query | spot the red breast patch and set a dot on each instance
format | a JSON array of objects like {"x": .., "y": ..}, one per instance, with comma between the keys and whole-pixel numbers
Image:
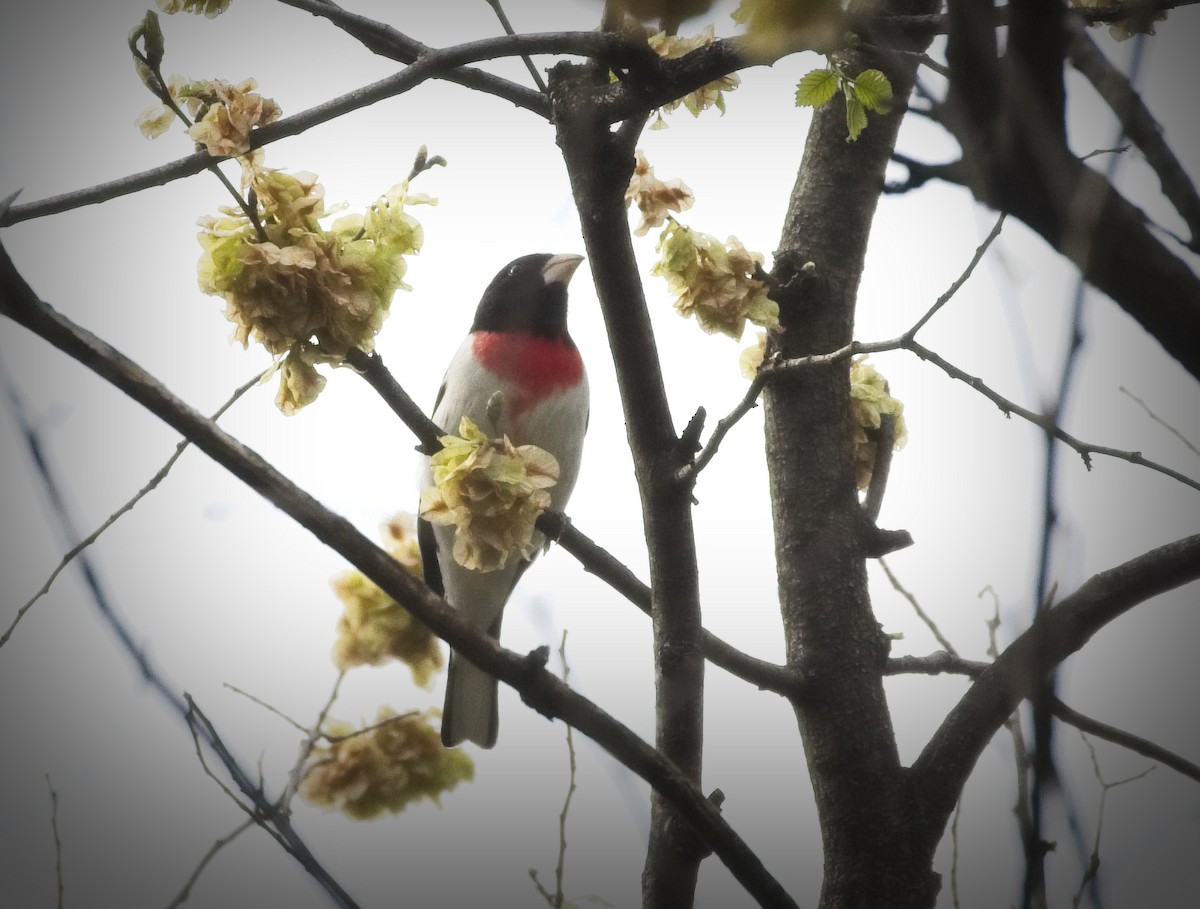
[{"x": 538, "y": 366}]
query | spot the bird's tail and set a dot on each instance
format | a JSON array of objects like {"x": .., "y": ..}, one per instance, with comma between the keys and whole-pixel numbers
[{"x": 470, "y": 712}]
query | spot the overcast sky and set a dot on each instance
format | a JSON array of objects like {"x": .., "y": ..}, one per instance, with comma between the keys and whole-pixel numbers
[{"x": 219, "y": 587}]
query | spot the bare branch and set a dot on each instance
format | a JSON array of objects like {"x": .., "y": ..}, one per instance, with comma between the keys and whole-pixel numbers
[
  {"x": 1093, "y": 867},
  {"x": 116, "y": 515},
  {"x": 939, "y": 663},
  {"x": 1084, "y": 449},
  {"x": 961, "y": 279},
  {"x": 395, "y": 45},
  {"x": 273, "y": 818},
  {"x": 270, "y": 708},
  {"x": 1137, "y": 124},
  {"x": 537, "y": 77},
  {"x": 432, "y": 65},
  {"x": 58, "y": 874},
  {"x": 939, "y": 772},
  {"x": 220, "y": 843},
  {"x": 921, "y": 613},
  {"x": 1160, "y": 421},
  {"x": 1134, "y": 743}
]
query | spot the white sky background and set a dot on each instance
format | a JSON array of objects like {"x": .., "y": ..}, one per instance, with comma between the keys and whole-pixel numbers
[{"x": 220, "y": 587}]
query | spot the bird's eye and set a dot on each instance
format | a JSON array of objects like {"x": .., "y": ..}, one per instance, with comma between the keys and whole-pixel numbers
[{"x": 512, "y": 271}]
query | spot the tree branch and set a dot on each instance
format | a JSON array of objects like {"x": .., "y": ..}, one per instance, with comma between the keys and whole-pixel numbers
[
  {"x": 434, "y": 64},
  {"x": 1138, "y": 125},
  {"x": 1134, "y": 743},
  {"x": 539, "y": 688},
  {"x": 599, "y": 165},
  {"x": 386, "y": 41},
  {"x": 939, "y": 773}
]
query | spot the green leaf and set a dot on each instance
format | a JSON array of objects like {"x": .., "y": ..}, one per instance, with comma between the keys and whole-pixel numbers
[
  {"x": 873, "y": 90},
  {"x": 856, "y": 117},
  {"x": 816, "y": 88}
]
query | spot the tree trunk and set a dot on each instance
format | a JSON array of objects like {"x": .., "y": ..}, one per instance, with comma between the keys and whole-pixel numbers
[{"x": 831, "y": 634}]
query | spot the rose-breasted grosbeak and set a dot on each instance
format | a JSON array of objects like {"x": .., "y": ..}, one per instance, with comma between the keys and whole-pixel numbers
[{"x": 518, "y": 346}]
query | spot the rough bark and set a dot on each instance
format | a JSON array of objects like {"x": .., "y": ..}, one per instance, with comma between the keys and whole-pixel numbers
[{"x": 831, "y": 634}]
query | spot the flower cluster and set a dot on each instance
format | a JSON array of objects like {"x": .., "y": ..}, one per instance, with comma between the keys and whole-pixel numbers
[
  {"x": 714, "y": 281},
  {"x": 751, "y": 359},
  {"x": 225, "y": 114},
  {"x": 709, "y": 95},
  {"x": 384, "y": 767},
  {"x": 307, "y": 293},
  {"x": 869, "y": 401},
  {"x": 373, "y": 627},
  {"x": 492, "y": 493},
  {"x": 209, "y": 8},
  {"x": 654, "y": 197}
]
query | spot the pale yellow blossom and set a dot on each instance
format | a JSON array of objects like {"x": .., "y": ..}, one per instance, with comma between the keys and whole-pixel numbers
[
  {"x": 385, "y": 767},
  {"x": 374, "y": 628},
  {"x": 301, "y": 286},
  {"x": 492, "y": 493},
  {"x": 751, "y": 358},
  {"x": 870, "y": 399},
  {"x": 155, "y": 120},
  {"x": 708, "y": 95},
  {"x": 714, "y": 281}
]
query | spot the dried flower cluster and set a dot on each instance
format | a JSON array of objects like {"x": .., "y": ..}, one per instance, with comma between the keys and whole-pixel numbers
[
  {"x": 714, "y": 281},
  {"x": 306, "y": 293},
  {"x": 492, "y": 493},
  {"x": 209, "y": 8},
  {"x": 385, "y": 767},
  {"x": 225, "y": 114},
  {"x": 654, "y": 197},
  {"x": 709, "y": 95},
  {"x": 373, "y": 627},
  {"x": 869, "y": 400}
]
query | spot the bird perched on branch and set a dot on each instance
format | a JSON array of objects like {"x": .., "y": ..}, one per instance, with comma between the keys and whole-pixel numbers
[{"x": 517, "y": 374}]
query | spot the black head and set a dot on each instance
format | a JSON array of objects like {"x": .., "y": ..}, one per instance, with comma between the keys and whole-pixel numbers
[{"x": 529, "y": 295}]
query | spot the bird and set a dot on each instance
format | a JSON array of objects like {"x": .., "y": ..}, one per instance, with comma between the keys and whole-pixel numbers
[{"x": 518, "y": 345}]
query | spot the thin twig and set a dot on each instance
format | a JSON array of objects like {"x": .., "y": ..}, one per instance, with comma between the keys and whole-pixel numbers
[
  {"x": 306, "y": 747},
  {"x": 1093, "y": 867},
  {"x": 367, "y": 730},
  {"x": 270, "y": 707},
  {"x": 58, "y": 874},
  {"x": 386, "y": 41},
  {"x": 116, "y": 515},
  {"x": 921, "y": 613},
  {"x": 271, "y": 817},
  {"x": 562, "y": 817},
  {"x": 1084, "y": 449},
  {"x": 1157, "y": 419},
  {"x": 220, "y": 843},
  {"x": 508, "y": 30},
  {"x": 961, "y": 279},
  {"x": 688, "y": 472},
  {"x": 1134, "y": 743}
]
